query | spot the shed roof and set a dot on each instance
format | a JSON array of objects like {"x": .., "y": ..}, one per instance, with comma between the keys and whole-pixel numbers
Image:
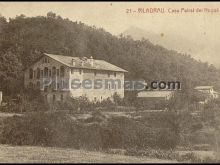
[
  {"x": 155, "y": 94},
  {"x": 203, "y": 87}
]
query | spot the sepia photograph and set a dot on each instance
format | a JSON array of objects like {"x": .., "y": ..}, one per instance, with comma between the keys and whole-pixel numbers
[{"x": 109, "y": 82}]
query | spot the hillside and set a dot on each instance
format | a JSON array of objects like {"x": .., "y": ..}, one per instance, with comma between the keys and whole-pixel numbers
[
  {"x": 196, "y": 46},
  {"x": 169, "y": 40},
  {"x": 24, "y": 38}
]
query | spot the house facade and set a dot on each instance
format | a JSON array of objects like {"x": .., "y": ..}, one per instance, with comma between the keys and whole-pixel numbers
[
  {"x": 155, "y": 99},
  {"x": 60, "y": 76},
  {"x": 208, "y": 91}
]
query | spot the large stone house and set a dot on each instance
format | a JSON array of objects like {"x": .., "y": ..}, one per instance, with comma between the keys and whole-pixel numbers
[{"x": 60, "y": 76}]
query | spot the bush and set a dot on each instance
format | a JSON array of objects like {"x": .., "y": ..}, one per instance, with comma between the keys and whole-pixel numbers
[
  {"x": 97, "y": 116},
  {"x": 34, "y": 129},
  {"x": 189, "y": 157},
  {"x": 108, "y": 104},
  {"x": 167, "y": 139},
  {"x": 152, "y": 153},
  {"x": 29, "y": 100},
  {"x": 117, "y": 99},
  {"x": 79, "y": 104},
  {"x": 95, "y": 132}
]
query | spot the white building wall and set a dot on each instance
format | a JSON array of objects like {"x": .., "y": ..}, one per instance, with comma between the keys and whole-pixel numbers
[{"x": 90, "y": 91}]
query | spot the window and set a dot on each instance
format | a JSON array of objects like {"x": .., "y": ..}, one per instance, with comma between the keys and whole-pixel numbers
[
  {"x": 72, "y": 70},
  {"x": 31, "y": 73},
  {"x": 115, "y": 74},
  {"x": 50, "y": 86},
  {"x": 31, "y": 85},
  {"x": 45, "y": 60},
  {"x": 58, "y": 72},
  {"x": 45, "y": 72},
  {"x": 38, "y": 84},
  {"x": 34, "y": 74},
  {"x": 95, "y": 73},
  {"x": 64, "y": 84},
  {"x": 61, "y": 97},
  {"x": 62, "y": 71},
  {"x": 54, "y": 85},
  {"x": 54, "y": 71},
  {"x": 46, "y": 89},
  {"x": 80, "y": 71},
  {"x": 54, "y": 97},
  {"x": 38, "y": 73},
  {"x": 41, "y": 73},
  {"x": 49, "y": 72},
  {"x": 45, "y": 97},
  {"x": 108, "y": 74}
]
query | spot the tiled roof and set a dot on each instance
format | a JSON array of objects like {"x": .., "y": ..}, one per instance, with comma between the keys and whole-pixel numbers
[
  {"x": 203, "y": 87},
  {"x": 154, "y": 94},
  {"x": 76, "y": 62}
]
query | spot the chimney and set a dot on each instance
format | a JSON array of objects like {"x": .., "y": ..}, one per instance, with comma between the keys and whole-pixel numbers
[
  {"x": 91, "y": 60},
  {"x": 84, "y": 58},
  {"x": 73, "y": 62},
  {"x": 0, "y": 97}
]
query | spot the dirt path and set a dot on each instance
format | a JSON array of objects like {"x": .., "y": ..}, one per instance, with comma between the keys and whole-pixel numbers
[{"x": 29, "y": 154}]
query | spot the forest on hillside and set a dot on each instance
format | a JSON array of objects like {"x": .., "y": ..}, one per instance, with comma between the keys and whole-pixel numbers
[{"x": 23, "y": 39}]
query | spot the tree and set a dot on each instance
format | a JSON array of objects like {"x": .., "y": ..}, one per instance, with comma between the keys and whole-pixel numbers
[
  {"x": 51, "y": 15},
  {"x": 3, "y": 22},
  {"x": 141, "y": 58}
]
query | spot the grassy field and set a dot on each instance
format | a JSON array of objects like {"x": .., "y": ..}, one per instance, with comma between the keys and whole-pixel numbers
[
  {"x": 33, "y": 154},
  {"x": 29, "y": 154}
]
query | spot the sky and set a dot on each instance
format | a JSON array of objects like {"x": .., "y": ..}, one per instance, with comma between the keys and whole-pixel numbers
[{"x": 201, "y": 28}]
